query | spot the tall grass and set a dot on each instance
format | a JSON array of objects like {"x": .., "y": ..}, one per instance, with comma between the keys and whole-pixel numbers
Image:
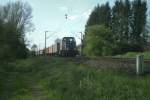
[
  {"x": 12, "y": 83},
  {"x": 64, "y": 79}
]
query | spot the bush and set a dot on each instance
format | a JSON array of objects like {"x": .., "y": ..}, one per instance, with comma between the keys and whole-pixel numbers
[{"x": 98, "y": 41}]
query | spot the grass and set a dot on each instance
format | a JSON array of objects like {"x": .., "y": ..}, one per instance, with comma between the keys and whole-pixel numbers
[
  {"x": 12, "y": 84},
  {"x": 134, "y": 54},
  {"x": 63, "y": 79}
]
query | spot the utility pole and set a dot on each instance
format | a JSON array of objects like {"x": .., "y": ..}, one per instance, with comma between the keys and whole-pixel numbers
[
  {"x": 40, "y": 50},
  {"x": 81, "y": 43},
  {"x": 45, "y": 42}
]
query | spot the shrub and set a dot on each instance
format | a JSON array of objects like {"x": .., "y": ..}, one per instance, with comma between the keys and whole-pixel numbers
[{"x": 98, "y": 41}]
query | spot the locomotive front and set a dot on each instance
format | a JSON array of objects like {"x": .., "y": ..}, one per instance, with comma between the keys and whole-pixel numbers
[{"x": 68, "y": 46}]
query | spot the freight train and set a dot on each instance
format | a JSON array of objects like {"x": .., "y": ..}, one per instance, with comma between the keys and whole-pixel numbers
[{"x": 63, "y": 47}]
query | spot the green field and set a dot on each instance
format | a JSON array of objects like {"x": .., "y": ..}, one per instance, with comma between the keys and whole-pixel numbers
[
  {"x": 134, "y": 54},
  {"x": 54, "y": 78}
]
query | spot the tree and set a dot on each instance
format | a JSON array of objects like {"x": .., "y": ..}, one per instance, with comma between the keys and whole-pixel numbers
[
  {"x": 101, "y": 15},
  {"x": 94, "y": 18},
  {"x": 98, "y": 41},
  {"x": 16, "y": 21},
  {"x": 128, "y": 22},
  {"x": 139, "y": 22},
  {"x": 121, "y": 19},
  {"x": 118, "y": 21},
  {"x": 105, "y": 15},
  {"x": 34, "y": 50}
]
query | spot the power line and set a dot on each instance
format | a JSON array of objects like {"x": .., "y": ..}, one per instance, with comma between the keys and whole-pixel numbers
[
  {"x": 60, "y": 26},
  {"x": 79, "y": 14}
]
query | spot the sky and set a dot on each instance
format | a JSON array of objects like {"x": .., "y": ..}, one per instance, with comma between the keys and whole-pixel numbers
[{"x": 49, "y": 15}]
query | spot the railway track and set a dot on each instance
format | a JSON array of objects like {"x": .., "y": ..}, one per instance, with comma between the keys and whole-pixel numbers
[
  {"x": 123, "y": 64},
  {"x": 82, "y": 59}
]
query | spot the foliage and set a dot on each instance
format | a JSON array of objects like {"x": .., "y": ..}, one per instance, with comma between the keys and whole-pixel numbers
[
  {"x": 61, "y": 80},
  {"x": 101, "y": 15},
  {"x": 128, "y": 22},
  {"x": 13, "y": 83},
  {"x": 134, "y": 54},
  {"x": 15, "y": 21},
  {"x": 69, "y": 81},
  {"x": 100, "y": 41}
]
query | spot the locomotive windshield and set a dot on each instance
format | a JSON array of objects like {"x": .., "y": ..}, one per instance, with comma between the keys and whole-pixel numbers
[
  {"x": 69, "y": 43},
  {"x": 70, "y": 39}
]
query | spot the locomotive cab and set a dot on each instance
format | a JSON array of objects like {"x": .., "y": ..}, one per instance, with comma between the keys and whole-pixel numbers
[
  {"x": 68, "y": 46},
  {"x": 69, "y": 43}
]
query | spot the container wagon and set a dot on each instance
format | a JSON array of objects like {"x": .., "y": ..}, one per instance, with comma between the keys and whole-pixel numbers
[{"x": 63, "y": 47}]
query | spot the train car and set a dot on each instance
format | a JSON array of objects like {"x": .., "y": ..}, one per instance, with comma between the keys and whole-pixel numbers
[
  {"x": 63, "y": 47},
  {"x": 50, "y": 50},
  {"x": 40, "y": 52}
]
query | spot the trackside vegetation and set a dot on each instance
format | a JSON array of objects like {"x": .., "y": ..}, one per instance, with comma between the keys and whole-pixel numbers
[
  {"x": 59, "y": 79},
  {"x": 125, "y": 24},
  {"x": 13, "y": 83},
  {"x": 134, "y": 54},
  {"x": 15, "y": 21},
  {"x": 100, "y": 41},
  {"x": 121, "y": 29}
]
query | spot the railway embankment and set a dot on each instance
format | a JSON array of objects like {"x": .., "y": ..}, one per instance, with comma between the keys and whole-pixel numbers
[{"x": 120, "y": 64}]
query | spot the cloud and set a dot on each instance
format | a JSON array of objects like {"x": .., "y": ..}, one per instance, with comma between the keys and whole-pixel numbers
[
  {"x": 84, "y": 14},
  {"x": 87, "y": 13},
  {"x": 63, "y": 8},
  {"x": 73, "y": 17}
]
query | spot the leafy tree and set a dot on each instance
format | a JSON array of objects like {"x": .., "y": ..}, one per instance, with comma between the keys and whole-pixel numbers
[
  {"x": 105, "y": 15},
  {"x": 121, "y": 18},
  {"x": 118, "y": 21},
  {"x": 94, "y": 18},
  {"x": 15, "y": 22},
  {"x": 139, "y": 18},
  {"x": 127, "y": 20},
  {"x": 101, "y": 15},
  {"x": 98, "y": 41}
]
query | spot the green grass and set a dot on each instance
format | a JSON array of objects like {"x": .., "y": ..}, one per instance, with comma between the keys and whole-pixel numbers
[
  {"x": 62, "y": 79},
  {"x": 134, "y": 54},
  {"x": 12, "y": 83},
  {"x": 65, "y": 80}
]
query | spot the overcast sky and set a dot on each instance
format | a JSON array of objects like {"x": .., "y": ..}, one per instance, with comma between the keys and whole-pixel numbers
[{"x": 49, "y": 15}]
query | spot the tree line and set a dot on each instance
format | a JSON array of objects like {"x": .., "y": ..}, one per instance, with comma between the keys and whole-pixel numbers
[
  {"x": 15, "y": 21},
  {"x": 117, "y": 29}
]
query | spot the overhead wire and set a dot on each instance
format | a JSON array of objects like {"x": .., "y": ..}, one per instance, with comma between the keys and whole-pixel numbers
[
  {"x": 78, "y": 21},
  {"x": 66, "y": 22}
]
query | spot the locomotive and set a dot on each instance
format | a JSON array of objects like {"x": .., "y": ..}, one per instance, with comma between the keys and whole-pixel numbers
[{"x": 63, "y": 47}]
